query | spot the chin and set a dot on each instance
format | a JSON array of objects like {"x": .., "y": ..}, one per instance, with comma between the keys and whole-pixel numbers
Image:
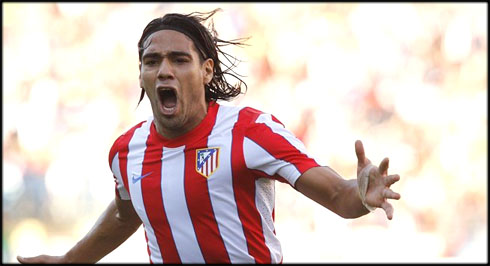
[{"x": 170, "y": 122}]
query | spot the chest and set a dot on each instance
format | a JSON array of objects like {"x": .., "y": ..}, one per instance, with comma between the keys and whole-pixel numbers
[{"x": 163, "y": 178}]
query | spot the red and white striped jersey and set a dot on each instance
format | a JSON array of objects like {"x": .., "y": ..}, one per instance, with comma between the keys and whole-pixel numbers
[{"x": 208, "y": 196}]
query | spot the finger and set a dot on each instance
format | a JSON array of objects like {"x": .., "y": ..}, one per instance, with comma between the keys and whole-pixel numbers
[
  {"x": 388, "y": 209},
  {"x": 361, "y": 156},
  {"x": 391, "y": 179},
  {"x": 383, "y": 166},
  {"x": 24, "y": 260},
  {"x": 390, "y": 194},
  {"x": 30, "y": 260},
  {"x": 360, "y": 152}
]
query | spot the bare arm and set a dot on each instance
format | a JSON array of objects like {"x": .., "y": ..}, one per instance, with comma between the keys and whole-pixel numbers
[
  {"x": 329, "y": 189},
  {"x": 118, "y": 222},
  {"x": 326, "y": 187}
]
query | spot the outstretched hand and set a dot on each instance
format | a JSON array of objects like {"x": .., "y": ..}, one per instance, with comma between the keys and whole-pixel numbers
[
  {"x": 41, "y": 259},
  {"x": 378, "y": 190}
]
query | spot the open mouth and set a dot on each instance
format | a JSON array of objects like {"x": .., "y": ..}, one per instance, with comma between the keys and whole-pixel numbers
[{"x": 168, "y": 101}]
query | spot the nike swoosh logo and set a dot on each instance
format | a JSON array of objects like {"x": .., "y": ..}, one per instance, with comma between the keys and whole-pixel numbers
[{"x": 140, "y": 177}]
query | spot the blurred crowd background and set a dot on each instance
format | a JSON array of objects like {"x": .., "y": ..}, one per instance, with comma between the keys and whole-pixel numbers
[{"x": 409, "y": 80}]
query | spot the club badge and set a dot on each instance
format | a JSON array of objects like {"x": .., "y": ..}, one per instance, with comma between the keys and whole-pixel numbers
[{"x": 207, "y": 161}]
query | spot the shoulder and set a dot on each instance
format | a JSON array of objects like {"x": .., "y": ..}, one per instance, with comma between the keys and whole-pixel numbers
[
  {"x": 248, "y": 116},
  {"x": 122, "y": 141},
  {"x": 256, "y": 117}
]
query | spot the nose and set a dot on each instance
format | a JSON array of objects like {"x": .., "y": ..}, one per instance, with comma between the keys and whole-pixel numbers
[{"x": 166, "y": 70}]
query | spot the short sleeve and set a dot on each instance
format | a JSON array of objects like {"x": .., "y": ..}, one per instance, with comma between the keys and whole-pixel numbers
[
  {"x": 114, "y": 164},
  {"x": 274, "y": 150}
]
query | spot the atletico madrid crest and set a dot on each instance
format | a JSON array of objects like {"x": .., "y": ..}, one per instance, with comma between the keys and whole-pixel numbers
[{"x": 207, "y": 161}]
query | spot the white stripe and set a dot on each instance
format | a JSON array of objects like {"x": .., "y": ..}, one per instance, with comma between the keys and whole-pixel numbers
[
  {"x": 258, "y": 158},
  {"x": 264, "y": 200},
  {"x": 221, "y": 188},
  {"x": 205, "y": 168},
  {"x": 136, "y": 153},
  {"x": 279, "y": 129},
  {"x": 206, "y": 164},
  {"x": 173, "y": 167},
  {"x": 119, "y": 181},
  {"x": 215, "y": 160}
]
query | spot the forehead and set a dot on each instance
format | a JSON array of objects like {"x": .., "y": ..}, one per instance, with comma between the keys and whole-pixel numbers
[{"x": 168, "y": 40}]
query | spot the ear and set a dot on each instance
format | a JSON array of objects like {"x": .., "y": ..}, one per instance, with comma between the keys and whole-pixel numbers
[{"x": 207, "y": 70}]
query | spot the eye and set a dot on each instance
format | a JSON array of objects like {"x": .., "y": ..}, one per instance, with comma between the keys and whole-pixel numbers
[
  {"x": 181, "y": 60},
  {"x": 150, "y": 62}
]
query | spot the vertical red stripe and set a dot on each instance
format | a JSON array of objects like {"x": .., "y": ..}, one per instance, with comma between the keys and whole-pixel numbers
[
  {"x": 147, "y": 246},
  {"x": 121, "y": 146},
  {"x": 199, "y": 204},
  {"x": 123, "y": 166},
  {"x": 244, "y": 189},
  {"x": 151, "y": 192},
  {"x": 200, "y": 208}
]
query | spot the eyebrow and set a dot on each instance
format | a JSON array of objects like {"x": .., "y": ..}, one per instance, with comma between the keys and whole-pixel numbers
[{"x": 169, "y": 54}]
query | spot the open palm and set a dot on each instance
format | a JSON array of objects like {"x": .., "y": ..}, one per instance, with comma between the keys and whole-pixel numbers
[{"x": 378, "y": 190}]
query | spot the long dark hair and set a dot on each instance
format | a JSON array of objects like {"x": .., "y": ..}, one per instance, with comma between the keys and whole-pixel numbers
[{"x": 208, "y": 44}]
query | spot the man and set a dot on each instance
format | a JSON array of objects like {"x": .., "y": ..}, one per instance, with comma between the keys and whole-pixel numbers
[{"x": 200, "y": 176}]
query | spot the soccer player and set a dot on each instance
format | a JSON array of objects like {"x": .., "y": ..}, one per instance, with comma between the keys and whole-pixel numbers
[{"x": 200, "y": 176}]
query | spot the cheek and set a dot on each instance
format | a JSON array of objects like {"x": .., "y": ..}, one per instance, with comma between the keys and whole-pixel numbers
[
  {"x": 143, "y": 79},
  {"x": 146, "y": 83},
  {"x": 147, "y": 80},
  {"x": 192, "y": 95},
  {"x": 193, "y": 84}
]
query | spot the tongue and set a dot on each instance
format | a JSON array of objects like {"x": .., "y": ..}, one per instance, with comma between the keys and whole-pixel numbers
[{"x": 170, "y": 101}]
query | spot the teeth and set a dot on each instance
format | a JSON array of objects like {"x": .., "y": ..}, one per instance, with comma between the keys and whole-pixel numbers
[{"x": 165, "y": 88}]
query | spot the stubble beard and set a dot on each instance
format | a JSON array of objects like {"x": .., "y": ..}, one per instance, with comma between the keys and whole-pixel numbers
[{"x": 173, "y": 125}]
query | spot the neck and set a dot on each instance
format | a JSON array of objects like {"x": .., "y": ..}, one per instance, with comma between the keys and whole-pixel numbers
[{"x": 172, "y": 128}]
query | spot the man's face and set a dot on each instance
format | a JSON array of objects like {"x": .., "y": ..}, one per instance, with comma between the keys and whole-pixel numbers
[{"x": 173, "y": 78}]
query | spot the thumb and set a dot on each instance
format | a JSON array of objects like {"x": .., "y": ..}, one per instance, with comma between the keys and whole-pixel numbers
[{"x": 361, "y": 157}]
